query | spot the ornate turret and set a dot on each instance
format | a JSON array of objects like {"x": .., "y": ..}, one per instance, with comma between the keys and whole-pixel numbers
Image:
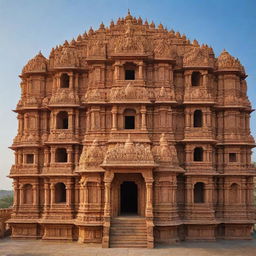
[
  {"x": 226, "y": 62},
  {"x": 36, "y": 65}
]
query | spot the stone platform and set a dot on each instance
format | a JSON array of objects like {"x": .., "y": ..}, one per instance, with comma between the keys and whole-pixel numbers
[{"x": 10, "y": 247}]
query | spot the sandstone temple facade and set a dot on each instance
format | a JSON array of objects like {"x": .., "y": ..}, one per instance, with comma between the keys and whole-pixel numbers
[{"x": 131, "y": 135}]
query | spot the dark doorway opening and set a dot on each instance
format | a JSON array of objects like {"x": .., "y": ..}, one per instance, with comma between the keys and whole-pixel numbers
[
  {"x": 129, "y": 198},
  {"x": 129, "y": 122},
  {"x": 129, "y": 74}
]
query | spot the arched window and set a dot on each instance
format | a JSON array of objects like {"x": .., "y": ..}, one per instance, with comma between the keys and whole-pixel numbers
[
  {"x": 28, "y": 194},
  {"x": 198, "y": 154},
  {"x": 196, "y": 78},
  {"x": 234, "y": 196},
  {"x": 61, "y": 155},
  {"x": 62, "y": 120},
  {"x": 64, "y": 81},
  {"x": 199, "y": 192},
  {"x": 60, "y": 193},
  {"x": 198, "y": 118},
  {"x": 129, "y": 70},
  {"x": 129, "y": 119}
]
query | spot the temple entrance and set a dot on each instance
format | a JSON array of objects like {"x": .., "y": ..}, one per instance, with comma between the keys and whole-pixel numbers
[{"x": 129, "y": 198}]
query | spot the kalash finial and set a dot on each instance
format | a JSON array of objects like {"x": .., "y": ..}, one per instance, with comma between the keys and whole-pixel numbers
[{"x": 129, "y": 16}]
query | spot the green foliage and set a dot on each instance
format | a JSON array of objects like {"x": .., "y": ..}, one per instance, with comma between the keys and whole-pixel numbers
[{"x": 6, "y": 201}]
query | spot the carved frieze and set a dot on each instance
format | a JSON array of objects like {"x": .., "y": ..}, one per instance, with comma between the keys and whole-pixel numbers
[
  {"x": 64, "y": 96},
  {"x": 129, "y": 153}
]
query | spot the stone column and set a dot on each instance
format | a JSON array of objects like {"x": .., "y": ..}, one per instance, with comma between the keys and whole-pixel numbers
[
  {"x": 70, "y": 121},
  {"x": 143, "y": 112},
  {"x": 69, "y": 195},
  {"x": 52, "y": 155},
  {"x": 114, "y": 118},
  {"x": 71, "y": 82},
  {"x": 149, "y": 199},
  {"x": 187, "y": 117},
  {"x": 16, "y": 194},
  {"x": 76, "y": 155},
  {"x": 46, "y": 195},
  {"x": 107, "y": 199},
  {"x": 69, "y": 152},
  {"x": 26, "y": 119},
  {"x": 77, "y": 122},
  {"x": 35, "y": 194},
  {"x": 36, "y": 161},
  {"x": 81, "y": 192},
  {"x": 21, "y": 194},
  {"x": 46, "y": 156},
  {"x": 52, "y": 190},
  {"x": 140, "y": 75},
  {"x": 76, "y": 81}
]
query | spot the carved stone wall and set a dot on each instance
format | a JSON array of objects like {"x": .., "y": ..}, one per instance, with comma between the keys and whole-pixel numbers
[{"x": 133, "y": 102}]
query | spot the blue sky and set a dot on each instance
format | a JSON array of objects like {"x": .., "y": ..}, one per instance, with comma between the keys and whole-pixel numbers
[{"x": 27, "y": 26}]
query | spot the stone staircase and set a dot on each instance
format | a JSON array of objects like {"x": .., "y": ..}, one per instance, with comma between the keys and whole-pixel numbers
[{"x": 128, "y": 232}]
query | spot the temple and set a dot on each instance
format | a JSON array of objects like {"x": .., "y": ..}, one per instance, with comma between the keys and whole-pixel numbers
[{"x": 129, "y": 136}]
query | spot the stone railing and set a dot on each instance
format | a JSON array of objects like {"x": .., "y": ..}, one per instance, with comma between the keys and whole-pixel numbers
[{"x": 5, "y": 214}]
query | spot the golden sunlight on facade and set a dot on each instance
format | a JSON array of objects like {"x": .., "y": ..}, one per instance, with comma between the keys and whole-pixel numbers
[{"x": 129, "y": 136}]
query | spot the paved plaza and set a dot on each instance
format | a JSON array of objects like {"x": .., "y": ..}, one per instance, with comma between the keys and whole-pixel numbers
[{"x": 10, "y": 247}]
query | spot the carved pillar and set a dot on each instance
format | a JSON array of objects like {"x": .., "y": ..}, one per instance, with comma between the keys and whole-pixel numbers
[
  {"x": 54, "y": 121},
  {"x": 76, "y": 155},
  {"x": 70, "y": 121},
  {"x": 46, "y": 156},
  {"x": 77, "y": 121},
  {"x": 143, "y": 112},
  {"x": 20, "y": 124},
  {"x": 69, "y": 152},
  {"x": 46, "y": 195},
  {"x": 107, "y": 199},
  {"x": 187, "y": 117},
  {"x": 81, "y": 194},
  {"x": 114, "y": 118},
  {"x": 52, "y": 190},
  {"x": 16, "y": 194},
  {"x": 140, "y": 75},
  {"x": 36, "y": 162},
  {"x": 69, "y": 194},
  {"x": 26, "y": 120},
  {"x": 20, "y": 158},
  {"x": 35, "y": 194},
  {"x": 52, "y": 155},
  {"x": 149, "y": 198},
  {"x": 71, "y": 81},
  {"x": 21, "y": 194}
]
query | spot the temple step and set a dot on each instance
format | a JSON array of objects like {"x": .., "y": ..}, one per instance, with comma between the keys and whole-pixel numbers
[{"x": 128, "y": 232}]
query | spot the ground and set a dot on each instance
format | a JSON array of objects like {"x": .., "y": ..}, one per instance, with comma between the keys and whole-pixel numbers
[{"x": 10, "y": 247}]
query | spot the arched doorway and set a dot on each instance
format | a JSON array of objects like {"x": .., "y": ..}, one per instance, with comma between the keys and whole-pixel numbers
[{"x": 129, "y": 198}]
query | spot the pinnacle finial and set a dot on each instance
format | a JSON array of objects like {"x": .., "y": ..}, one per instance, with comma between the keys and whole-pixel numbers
[{"x": 129, "y": 13}]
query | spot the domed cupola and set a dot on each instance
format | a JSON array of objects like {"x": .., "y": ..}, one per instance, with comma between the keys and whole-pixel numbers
[
  {"x": 226, "y": 62},
  {"x": 36, "y": 65}
]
